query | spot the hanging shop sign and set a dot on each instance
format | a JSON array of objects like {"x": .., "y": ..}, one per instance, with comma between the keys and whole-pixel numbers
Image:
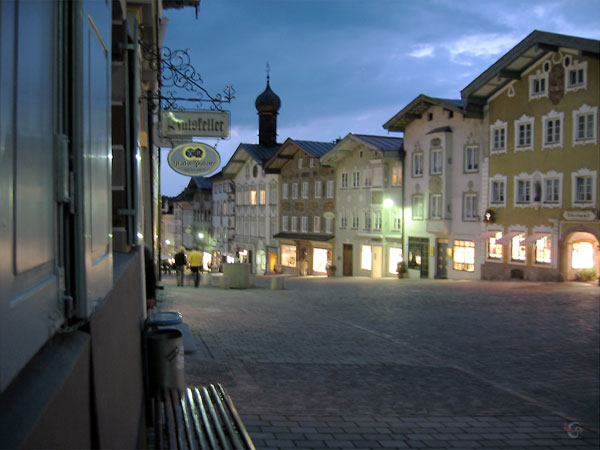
[
  {"x": 194, "y": 159},
  {"x": 194, "y": 123}
]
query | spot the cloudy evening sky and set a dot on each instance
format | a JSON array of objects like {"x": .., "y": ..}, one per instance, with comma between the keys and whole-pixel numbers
[{"x": 343, "y": 66}]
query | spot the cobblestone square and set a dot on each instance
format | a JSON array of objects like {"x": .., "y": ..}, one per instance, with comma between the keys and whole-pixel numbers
[{"x": 364, "y": 363}]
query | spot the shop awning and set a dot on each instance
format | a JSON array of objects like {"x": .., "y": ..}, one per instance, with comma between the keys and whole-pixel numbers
[
  {"x": 505, "y": 239},
  {"x": 485, "y": 235},
  {"x": 534, "y": 237}
]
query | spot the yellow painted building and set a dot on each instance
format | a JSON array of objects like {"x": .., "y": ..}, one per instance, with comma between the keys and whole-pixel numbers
[{"x": 540, "y": 104}]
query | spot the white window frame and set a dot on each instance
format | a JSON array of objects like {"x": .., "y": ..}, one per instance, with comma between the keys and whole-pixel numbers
[
  {"x": 497, "y": 145},
  {"x": 539, "y": 79},
  {"x": 294, "y": 191},
  {"x": 304, "y": 224},
  {"x": 317, "y": 224},
  {"x": 417, "y": 207},
  {"x": 329, "y": 226},
  {"x": 588, "y": 174},
  {"x": 330, "y": 188},
  {"x": 523, "y": 197},
  {"x": 529, "y": 134},
  {"x": 367, "y": 220},
  {"x": 377, "y": 220},
  {"x": 575, "y": 66},
  {"x": 493, "y": 180},
  {"x": 311, "y": 163},
  {"x": 549, "y": 122},
  {"x": 285, "y": 191},
  {"x": 344, "y": 180},
  {"x": 294, "y": 227},
  {"x": 318, "y": 189},
  {"x": 343, "y": 220},
  {"x": 355, "y": 220},
  {"x": 436, "y": 207},
  {"x": 285, "y": 223},
  {"x": 305, "y": 190},
  {"x": 300, "y": 162},
  {"x": 368, "y": 177},
  {"x": 417, "y": 164},
  {"x": 471, "y": 159},
  {"x": 585, "y": 110},
  {"x": 552, "y": 176},
  {"x": 396, "y": 219},
  {"x": 470, "y": 205},
  {"x": 436, "y": 161},
  {"x": 356, "y": 179},
  {"x": 517, "y": 239}
]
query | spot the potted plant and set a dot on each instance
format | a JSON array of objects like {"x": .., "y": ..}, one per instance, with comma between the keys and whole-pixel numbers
[
  {"x": 402, "y": 269},
  {"x": 330, "y": 268}
]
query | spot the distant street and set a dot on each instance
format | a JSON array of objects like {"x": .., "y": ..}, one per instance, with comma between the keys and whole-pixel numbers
[{"x": 363, "y": 363}]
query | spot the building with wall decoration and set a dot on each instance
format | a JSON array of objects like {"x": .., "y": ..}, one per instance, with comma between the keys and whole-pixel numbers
[
  {"x": 307, "y": 207},
  {"x": 223, "y": 219},
  {"x": 369, "y": 205},
  {"x": 445, "y": 158},
  {"x": 539, "y": 103}
]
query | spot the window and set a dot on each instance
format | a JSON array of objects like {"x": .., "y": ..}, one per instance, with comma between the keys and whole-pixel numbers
[
  {"x": 576, "y": 74},
  {"x": 522, "y": 192},
  {"x": 355, "y": 179},
  {"x": 355, "y": 221},
  {"x": 395, "y": 259},
  {"x": 553, "y": 129},
  {"x": 330, "y": 189},
  {"x": 300, "y": 162},
  {"x": 377, "y": 220},
  {"x": 524, "y": 133},
  {"x": 288, "y": 255},
  {"x": 304, "y": 224},
  {"x": 311, "y": 163},
  {"x": 582, "y": 255},
  {"x": 584, "y": 188},
  {"x": 417, "y": 207},
  {"x": 285, "y": 188},
  {"x": 436, "y": 161},
  {"x": 495, "y": 250},
  {"x": 253, "y": 197},
  {"x": 368, "y": 178},
  {"x": 585, "y": 121},
  {"x": 305, "y": 189},
  {"x": 318, "y": 189},
  {"x": 367, "y": 222},
  {"x": 435, "y": 206},
  {"x": 285, "y": 223},
  {"x": 329, "y": 226},
  {"x": 470, "y": 207},
  {"x": 396, "y": 219},
  {"x": 317, "y": 224},
  {"x": 417, "y": 164},
  {"x": 551, "y": 189},
  {"x": 498, "y": 191},
  {"x": 262, "y": 197},
  {"x": 538, "y": 85},
  {"x": 543, "y": 250},
  {"x": 343, "y": 219},
  {"x": 464, "y": 256},
  {"x": 294, "y": 223},
  {"x": 518, "y": 251},
  {"x": 397, "y": 176},
  {"x": 294, "y": 190},
  {"x": 366, "y": 257},
  {"x": 273, "y": 194},
  {"x": 471, "y": 158},
  {"x": 344, "y": 180},
  {"x": 498, "y": 137}
]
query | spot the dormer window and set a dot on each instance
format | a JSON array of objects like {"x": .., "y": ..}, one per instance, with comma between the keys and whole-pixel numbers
[{"x": 576, "y": 75}]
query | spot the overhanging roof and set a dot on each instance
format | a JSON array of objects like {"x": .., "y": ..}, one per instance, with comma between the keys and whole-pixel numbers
[
  {"x": 390, "y": 147},
  {"x": 259, "y": 153},
  {"x": 415, "y": 109},
  {"x": 290, "y": 147},
  {"x": 512, "y": 65}
]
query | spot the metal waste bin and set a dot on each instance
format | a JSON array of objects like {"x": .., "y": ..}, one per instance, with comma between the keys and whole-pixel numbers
[{"x": 165, "y": 359}]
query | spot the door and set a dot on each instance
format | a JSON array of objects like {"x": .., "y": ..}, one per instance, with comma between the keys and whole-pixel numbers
[
  {"x": 347, "y": 256},
  {"x": 441, "y": 258},
  {"x": 377, "y": 262}
]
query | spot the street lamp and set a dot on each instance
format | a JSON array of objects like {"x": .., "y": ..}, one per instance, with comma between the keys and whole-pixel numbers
[{"x": 200, "y": 235}]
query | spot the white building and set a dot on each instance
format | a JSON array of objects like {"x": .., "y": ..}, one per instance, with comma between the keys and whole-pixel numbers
[
  {"x": 223, "y": 218},
  {"x": 444, "y": 163}
]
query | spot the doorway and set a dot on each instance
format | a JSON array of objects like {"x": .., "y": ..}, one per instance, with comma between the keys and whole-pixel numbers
[
  {"x": 441, "y": 258},
  {"x": 377, "y": 262},
  {"x": 347, "y": 256}
]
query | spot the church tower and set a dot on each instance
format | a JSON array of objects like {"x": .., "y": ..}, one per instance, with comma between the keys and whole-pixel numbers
[{"x": 267, "y": 105}]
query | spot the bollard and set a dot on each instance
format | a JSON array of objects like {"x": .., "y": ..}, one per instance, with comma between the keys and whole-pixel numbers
[
  {"x": 277, "y": 283},
  {"x": 206, "y": 279},
  {"x": 165, "y": 359}
]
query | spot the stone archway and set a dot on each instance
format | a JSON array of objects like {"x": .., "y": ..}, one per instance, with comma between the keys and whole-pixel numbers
[{"x": 581, "y": 253}]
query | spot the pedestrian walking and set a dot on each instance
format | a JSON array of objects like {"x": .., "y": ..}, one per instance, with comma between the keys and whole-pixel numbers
[
  {"x": 195, "y": 260},
  {"x": 180, "y": 263}
]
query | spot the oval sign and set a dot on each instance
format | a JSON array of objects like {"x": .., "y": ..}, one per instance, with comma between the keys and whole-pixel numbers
[
  {"x": 329, "y": 215},
  {"x": 194, "y": 159}
]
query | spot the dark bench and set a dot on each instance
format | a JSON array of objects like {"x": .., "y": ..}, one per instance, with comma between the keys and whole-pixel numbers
[{"x": 198, "y": 418}]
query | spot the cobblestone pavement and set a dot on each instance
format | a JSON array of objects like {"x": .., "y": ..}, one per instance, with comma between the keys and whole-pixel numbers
[{"x": 362, "y": 363}]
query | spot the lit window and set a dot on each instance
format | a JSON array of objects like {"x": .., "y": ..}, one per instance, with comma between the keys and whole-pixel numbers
[
  {"x": 365, "y": 257},
  {"x": 377, "y": 220},
  {"x": 263, "y": 197},
  {"x": 288, "y": 255},
  {"x": 464, "y": 256},
  {"x": 417, "y": 164},
  {"x": 472, "y": 158},
  {"x": 518, "y": 251},
  {"x": 253, "y": 197},
  {"x": 395, "y": 258},
  {"x": 495, "y": 250},
  {"x": 396, "y": 175},
  {"x": 543, "y": 250},
  {"x": 582, "y": 256}
]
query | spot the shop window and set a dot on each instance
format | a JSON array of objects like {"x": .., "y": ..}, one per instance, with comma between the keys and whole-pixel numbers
[
  {"x": 366, "y": 257},
  {"x": 395, "y": 258},
  {"x": 582, "y": 255},
  {"x": 494, "y": 250},
  {"x": 464, "y": 256},
  {"x": 288, "y": 255},
  {"x": 543, "y": 250},
  {"x": 518, "y": 251},
  {"x": 319, "y": 260}
]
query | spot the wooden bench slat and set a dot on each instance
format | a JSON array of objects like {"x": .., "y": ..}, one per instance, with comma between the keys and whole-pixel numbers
[{"x": 243, "y": 433}]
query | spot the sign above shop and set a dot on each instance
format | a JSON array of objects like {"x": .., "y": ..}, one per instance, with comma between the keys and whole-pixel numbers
[
  {"x": 194, "y": 159},
  {"x": 194, "y": 123},
  {"x": 579, "y": 215}
]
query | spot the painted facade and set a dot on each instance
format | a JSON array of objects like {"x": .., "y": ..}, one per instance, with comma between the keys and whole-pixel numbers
[
  {"x": 443, "y": 167},
  {"x": 540, "y": 103},
  {"x": 368, "y": 193},
  {"x": 307, "y": 207},
  {"x": 223, "y": 219}
]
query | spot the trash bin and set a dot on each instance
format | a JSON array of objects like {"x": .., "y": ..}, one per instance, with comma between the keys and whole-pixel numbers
[{"x": 165, "y": 359}]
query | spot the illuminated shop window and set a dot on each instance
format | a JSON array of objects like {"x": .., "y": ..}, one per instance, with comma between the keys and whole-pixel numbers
[
  {"x": 288, "y": 255},
  {"x": 495, "y": 250},
  {"x": 365, "y": 257},
  {"x": 253, "y": 197},
  {"x": 395, "y": 258},
  {"x": 518, "y": 252},
  {"x": 464, "y": 256},
  {"x": 543, "y": 251},
  {"x": 319, "y": 260},
  {"x": 582, "y": 256}
]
